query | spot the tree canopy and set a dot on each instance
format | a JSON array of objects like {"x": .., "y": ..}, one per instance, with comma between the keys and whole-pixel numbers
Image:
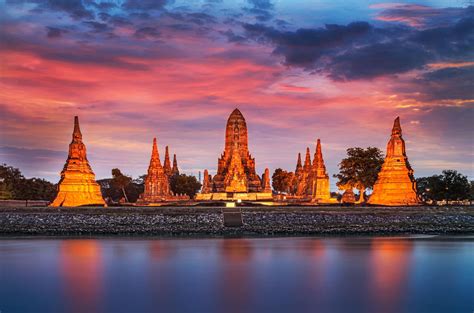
[
  {"x": 471, "y": 192},
  {"x": 360, "y": 168},
  {"x": 184, "y": 184},
  {"x": 449, "y": 186},
  {"x": 282, "y": 181},
  {"x": 13, "y": 185},
  {"x": 121, "y": 182}
]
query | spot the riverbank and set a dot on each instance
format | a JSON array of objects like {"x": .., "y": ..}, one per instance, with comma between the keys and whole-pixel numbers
[{"x": 175, "y": 221}]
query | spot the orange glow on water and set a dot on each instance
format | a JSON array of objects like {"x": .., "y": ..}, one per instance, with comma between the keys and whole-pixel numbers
[
  {"x": 236, "y": 250},
  {"x": 81, "y": 270},
  {"x": 390, "y": 265},
  {"x": 236, "y": 276}
]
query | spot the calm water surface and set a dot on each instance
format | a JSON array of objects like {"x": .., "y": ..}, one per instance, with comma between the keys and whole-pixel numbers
[{"x": 373, "y": 274}]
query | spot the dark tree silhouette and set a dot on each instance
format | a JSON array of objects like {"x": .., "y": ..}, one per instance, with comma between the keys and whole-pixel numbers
[
  {"x": 360, "y": 169},
  {"x": 13, "y": 185},
  {"x": 184, "y": 184},
  {"x": 449, "y": 186},
  {"x": 282, "y": 181},
  {"x": 120, "y": 181}
]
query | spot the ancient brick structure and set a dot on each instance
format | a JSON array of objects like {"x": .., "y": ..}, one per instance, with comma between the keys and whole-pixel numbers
[
  {"x": 77, "y": 186},
  {"x": 236, "y": 177},
  {"x": 167, "y": 163},
  {"x": 157, "y": 187},
  {"x": 157, "y": 184},
  {"x": 266, "y": 181},
  {"x": 348, "y": 197},
  {"x": 299, "y": 166},
  {"x": 302, "y": 186},
  {"x": 175, "y": 170},
  {"x": 307, "y": 161},
  {"x": 311, "y": 179},
  {"x": 319, "y": 177},
  {"x": 206, "y": 183},
  {"x": 395, "y": 184},
  {"x": 236, "y": 167}
]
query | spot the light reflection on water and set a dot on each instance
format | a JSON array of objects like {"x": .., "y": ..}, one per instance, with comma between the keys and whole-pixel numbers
[{"x": 373, "y": 274}]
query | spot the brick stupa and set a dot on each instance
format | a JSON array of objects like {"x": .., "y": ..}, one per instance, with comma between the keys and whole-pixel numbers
[
  {"x": 77, "y": 186},
  {"x": 299, "y": 166},
  {"x": 174, "y": 169},
  {"x": 266, "y": 181},
  {"x": 302, "y": 176},
  {"x": 157, "y": 186},
  {"x": 311, "y": 179},
  {"x": 348, "y": 197},
  {"x": 395, "y": 184},
  {"x": 167, "y": 163},
  {"x": 206, "y": 183},
  {"x": 236, "y": 177},
  {"x": 319, "y": 178}
]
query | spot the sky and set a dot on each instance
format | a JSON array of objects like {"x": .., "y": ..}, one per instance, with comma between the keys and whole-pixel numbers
[{"x": 298, "y": 70}]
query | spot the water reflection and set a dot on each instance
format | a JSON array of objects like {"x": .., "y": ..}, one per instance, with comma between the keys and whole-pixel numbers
[
  {"x": 82, "y": 274},
  {"x": 158, "y": 250},
  {"x": 236, "y": 275},
  {"x": 235, "y": 250},
  {"x": 390, "y": 262}
]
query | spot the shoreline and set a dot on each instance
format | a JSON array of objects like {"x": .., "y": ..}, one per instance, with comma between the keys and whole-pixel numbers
[{"x": 255, "y": 221}]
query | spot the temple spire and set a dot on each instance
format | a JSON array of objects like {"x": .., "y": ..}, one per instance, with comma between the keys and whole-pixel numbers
[
  {"x": 318, "y": 162},
  {"x": 397, "y": 129},
  {"x": 236, "y": 136},
  {"x": 298, "y": 163},
  {"x": 307, "y": 161},
  {"x": 77, "y": 185},
  {"x": 154, "y": 149},
  {"x": 175, "y": 169},
  {"x": 320, "y": 189},
  {"x": 76, "y": 134},
  {"x": 266, "y": 181},
  {"x": 157, "y": 186},
  {"x": 206, "y": 182},
  {"x": 236, "y": 112},
  {"x": 318, "y": 155},
  {"x": 167, "y": 163},
  {"x": 155, "y": 155},
  {"x": 395, "y": 183},
  {"x": 236, "y": 177}
]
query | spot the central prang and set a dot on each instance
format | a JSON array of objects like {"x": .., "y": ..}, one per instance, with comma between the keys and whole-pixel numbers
[{"x": 235, "y": 168}]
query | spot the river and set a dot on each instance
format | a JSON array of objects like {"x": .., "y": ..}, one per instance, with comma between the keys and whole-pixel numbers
[{"x": 288, "y": 274}]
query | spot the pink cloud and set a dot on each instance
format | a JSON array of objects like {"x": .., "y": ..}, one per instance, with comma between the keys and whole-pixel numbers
[{"x": 182, "y": 93}]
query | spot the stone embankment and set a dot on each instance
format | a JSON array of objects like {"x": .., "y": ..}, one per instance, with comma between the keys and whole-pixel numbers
[{"x": 255, "y": 221}]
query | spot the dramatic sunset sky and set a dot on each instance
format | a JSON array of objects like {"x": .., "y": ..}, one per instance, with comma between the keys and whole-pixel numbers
[{"x": 339, "y": 70}]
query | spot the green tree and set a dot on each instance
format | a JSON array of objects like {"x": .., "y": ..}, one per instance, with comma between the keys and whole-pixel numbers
[
  {"x": 456, "y": 186},
  {"x": 449, "y": 186},
  {"x": 115, "y": 193},
  {"x": 360, "y": 169},
  {"x": 120, "y": 181},
  {"x": 282, "y": 181},
  {"x": 184, "y": 184},
  {"x": 134, "y": 190},
  {"x": 430, "y": 188},
  {"x": 35, "y": 189},
  {"x": 9, "y": 178},
  {"x": 6, "y": 191},
  {"x": 471, "y": 192},
  {"x": 13, "y": 185}
]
